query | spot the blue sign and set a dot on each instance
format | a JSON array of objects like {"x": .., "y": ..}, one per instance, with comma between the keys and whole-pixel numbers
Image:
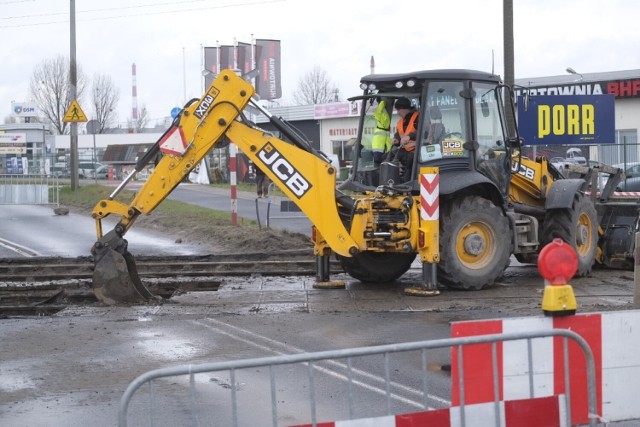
[
  {"x": 567, "y": 119},
  {"x": 175, "y": 111}
]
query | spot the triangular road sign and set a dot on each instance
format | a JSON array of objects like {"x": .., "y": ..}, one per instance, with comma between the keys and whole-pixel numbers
[
  {"x": 173, "y": 142},
  {"x": 74, "y": 113}
]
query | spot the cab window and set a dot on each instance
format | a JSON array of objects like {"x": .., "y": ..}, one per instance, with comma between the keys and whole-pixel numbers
[
  {"x": 444, "y": 122},
  {"x": 491, "y": 159}
]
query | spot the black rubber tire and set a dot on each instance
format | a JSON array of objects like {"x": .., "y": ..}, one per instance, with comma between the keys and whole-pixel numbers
[
  {"x": 577, "y": 226},
  {"x": 377, "y": 266},
  {"x": 472, "y": 223}
]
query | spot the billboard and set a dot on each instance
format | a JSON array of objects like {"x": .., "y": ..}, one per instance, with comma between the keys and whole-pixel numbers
[
  {"x": 226, "y": 57},
  {"x": 567, "y": 119},
  {"x": 268, "y": 84},
  {"x": 267, "y": 60},
  {"x": 210, "y": 64},
  {"x": 24, "y": 109},
  {"x": 13, "y": 143},
  {"x": 244, "y": 59}
]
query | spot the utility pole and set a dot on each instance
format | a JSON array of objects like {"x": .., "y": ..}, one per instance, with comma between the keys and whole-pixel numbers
[
  {"x": 509, "y": 69},
  {"x": 73, "y": 80}
]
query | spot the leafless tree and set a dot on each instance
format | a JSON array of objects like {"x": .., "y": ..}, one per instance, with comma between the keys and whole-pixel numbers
[
  {"x": 51, "y": 91},
  {"x": 315, "y": 87},
  {"x": 104, "y": 98},
  {"x": 141, "y": 122}
]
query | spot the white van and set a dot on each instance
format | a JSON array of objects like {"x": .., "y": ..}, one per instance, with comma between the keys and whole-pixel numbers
[{"x": 87, "y": 169}]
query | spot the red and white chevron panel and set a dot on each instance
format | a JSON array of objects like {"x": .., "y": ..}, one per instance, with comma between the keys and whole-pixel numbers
[
  {"x": 545, "y": 411},
  {"x": 429, "y": 196},
  {"x": 627, "y": 193},
  {"x": 614, "y": 338}
]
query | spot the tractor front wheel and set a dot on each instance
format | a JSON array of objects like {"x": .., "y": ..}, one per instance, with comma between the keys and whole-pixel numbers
[{"x": 475, "y": 243}]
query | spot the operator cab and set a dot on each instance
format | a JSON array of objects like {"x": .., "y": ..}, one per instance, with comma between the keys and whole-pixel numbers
[{"x": 461, "y": 129}]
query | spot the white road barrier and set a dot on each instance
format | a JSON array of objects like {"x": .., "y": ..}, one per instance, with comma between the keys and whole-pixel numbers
[{"x": 614, "y": 338}]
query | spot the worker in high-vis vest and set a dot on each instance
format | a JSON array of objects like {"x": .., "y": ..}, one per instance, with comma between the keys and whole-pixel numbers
[
  {"x": 405, "y": 136},
  {"x": 381, "y": 141}
]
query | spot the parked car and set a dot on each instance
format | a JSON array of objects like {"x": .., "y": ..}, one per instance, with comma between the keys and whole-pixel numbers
[
  {"x": 632, "y": 176},
  {"x": 87, "y": 169},
  {"x": 574, "y": 155},
  {"x": 101, "y": 172}
]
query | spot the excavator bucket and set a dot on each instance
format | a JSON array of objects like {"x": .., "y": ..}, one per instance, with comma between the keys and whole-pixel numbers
[{"x": 115, "y": 275}]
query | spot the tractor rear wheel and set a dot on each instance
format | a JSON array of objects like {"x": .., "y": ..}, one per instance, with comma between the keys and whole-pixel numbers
[
  {"x": 377, "y": 266},
  {"x": 577, "y": 226},
  {"x": 475, "y": 243}
]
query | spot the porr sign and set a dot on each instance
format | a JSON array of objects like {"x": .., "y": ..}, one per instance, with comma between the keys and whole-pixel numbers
[{"x": 567, "y": 119}]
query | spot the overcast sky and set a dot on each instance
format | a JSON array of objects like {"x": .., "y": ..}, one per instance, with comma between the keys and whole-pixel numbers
[{"x": 164, "y": 39}]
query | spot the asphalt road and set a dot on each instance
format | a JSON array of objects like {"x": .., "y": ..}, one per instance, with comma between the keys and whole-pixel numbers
[
  {"x": 267, "y": 212},
  {"x": 72, "y": 368}
]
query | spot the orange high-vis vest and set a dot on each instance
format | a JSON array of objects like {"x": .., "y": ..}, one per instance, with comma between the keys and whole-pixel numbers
[{"x": 411, "y": 127}]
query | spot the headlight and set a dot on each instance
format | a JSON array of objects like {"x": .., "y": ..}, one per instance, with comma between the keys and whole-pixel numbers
[
  {"x": 399, "y": 85},
  {"x": 411, "y": 83}
]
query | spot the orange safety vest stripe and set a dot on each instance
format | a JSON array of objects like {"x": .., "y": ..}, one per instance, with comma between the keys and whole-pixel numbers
[{"x": 411, "y": 126}]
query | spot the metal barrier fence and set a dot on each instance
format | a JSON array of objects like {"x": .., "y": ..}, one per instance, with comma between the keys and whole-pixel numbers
[
  {"x": 29, "y": 190},
  {"x": 314, "y": 362}
]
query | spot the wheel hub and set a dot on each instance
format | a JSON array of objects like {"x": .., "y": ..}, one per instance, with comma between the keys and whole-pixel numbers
[
  {"x": 582, "y": 235},
  {"x": 474, "y": 244}
]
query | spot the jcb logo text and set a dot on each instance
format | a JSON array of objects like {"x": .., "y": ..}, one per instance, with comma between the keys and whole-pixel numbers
[
  {"x": 524, "y": 171},
  {"x": 284, "y": 170}
]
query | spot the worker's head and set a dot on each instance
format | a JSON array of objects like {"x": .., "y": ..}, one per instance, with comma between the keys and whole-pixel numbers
[{"x": 403, "y": 104}]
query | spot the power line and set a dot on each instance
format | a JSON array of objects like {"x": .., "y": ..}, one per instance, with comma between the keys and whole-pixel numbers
[
  {"x": 96, "y": 10},
  {"x": 103, "y": 18},
  {"x": 15, "y": 1}
]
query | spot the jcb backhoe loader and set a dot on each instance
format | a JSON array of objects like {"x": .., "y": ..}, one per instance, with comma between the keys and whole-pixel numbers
[{"x": 455, "y": 211}]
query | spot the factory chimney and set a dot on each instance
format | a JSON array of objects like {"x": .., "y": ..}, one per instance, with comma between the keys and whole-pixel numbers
[{"x": 134, "y": 98}]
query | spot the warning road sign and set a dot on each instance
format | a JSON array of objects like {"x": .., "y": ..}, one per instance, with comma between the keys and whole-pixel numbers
[{"x": 74, "y": 113}]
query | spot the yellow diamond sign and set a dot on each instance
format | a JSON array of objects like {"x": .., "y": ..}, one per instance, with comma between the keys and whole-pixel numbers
[{"x": 74, "y": 113}]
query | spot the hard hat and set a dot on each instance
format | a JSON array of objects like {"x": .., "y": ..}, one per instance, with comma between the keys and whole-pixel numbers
[{"x": 403, "y": 103}]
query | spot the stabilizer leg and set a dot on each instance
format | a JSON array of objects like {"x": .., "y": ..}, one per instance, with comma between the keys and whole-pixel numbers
[
  {"x": 323, "y": 273},
  {"x": 429, "y": 286}
]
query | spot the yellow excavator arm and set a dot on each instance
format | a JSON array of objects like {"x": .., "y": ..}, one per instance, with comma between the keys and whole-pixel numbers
[{"x": 194, "y": 132}]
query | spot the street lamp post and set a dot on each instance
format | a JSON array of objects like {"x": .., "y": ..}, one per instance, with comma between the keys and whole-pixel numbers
[{"x": 572, "y": 71}]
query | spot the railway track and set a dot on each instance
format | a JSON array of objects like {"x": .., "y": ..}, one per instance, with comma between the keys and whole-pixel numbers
[
  {"x": 56, "y": 268},
  {"x": 45, "y": 285}
]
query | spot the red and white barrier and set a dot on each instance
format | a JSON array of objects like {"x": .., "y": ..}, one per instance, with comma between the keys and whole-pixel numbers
[
  {"x": 614, "y": 338},
  {"x": 545, "y": 411}
]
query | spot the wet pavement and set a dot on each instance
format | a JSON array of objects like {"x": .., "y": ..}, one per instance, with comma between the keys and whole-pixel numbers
[{"x": 72, "y": 368}]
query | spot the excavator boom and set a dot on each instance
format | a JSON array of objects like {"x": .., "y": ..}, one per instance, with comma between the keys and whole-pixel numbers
[{"x": 196, "y": 130}]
